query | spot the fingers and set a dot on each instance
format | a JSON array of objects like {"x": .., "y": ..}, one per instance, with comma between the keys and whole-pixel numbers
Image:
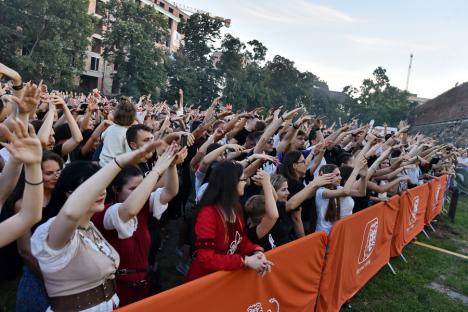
[
  {"x": 32, "y": 132},
  {"x": 7, "y": 134}
]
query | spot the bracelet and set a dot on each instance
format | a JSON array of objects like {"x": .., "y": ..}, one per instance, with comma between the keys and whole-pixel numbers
[
  {"x": 38, "y": 183},
  {"x": 18, "y": 88},
  {"x": 117, "y": 163}
]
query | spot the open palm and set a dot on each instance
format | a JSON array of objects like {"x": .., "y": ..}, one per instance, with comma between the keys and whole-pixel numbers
[{"x": 24, "y": 146}]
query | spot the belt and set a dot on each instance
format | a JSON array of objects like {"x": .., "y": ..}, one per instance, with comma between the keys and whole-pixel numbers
[
  {"x": 85, "y": 299},
  {"x": 130, "y": 271}
]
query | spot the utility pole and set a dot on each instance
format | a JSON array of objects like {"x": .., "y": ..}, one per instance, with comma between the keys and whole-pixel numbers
[{"x": 409, "y": 71}]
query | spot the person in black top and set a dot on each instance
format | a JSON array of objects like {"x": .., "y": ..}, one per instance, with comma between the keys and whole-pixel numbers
[
  {"x": 267, "y": 227},
  {"x": 294, "y": 170}
]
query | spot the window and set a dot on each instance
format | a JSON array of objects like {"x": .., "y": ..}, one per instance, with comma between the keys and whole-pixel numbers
[
  {"x": 100, "y": 7},
  {"x": 169, "y": 23},
  {"x": 96, "y": 46},
  {"x": 115, "y": 87},
  {"x": 161, "y": 4},
  {"x": 98, "y": 29},
  {"x": 94, "y": 63},
  {"x": 171, "y": 10}
]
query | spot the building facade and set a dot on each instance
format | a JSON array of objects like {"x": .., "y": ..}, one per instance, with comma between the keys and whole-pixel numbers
[{"x": 98, "y": 72}]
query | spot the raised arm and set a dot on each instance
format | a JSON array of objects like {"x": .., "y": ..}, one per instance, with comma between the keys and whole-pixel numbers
[
  {"x": 359, "y": 163},
  {"x": 25, "y": 147},
  {"x": 46, "y": 128},
  {"x": 171, "y": 178},
  {"x": 308, "y": 191},
  {"x": 77, "y": 206},
  {"x": 271, "y": 211},
  {"x": 137, "y": 199},
  {"x": 77, "y": 137},
  {"x": 268, "y": 133}
]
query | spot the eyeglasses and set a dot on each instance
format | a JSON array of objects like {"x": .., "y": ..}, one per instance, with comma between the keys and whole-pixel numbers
[{"x": 56, "y": 173}]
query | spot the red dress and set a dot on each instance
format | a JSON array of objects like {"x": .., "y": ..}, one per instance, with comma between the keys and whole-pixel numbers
[
  {"x": 220, "y": 245},
  {"x": 133, "y": 253}
]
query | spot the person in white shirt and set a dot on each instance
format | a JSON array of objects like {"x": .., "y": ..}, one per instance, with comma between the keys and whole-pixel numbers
[
  {"x": 114, "y": 138},
  {"x": 331, "y": 200}
]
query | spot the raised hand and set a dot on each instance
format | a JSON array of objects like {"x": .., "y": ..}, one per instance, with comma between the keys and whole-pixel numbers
[
  {"x": 360, "y": 162},
  {"x": 261, "y": 178},
  {"x": 266, "y": 157},
  {"x": 24, "y": 145},
  {"x": 166, "y": 159},
  {"x": 58, "y": 101},
  {"x": 180, "y": 157},
  {"x": 324, "y": 179},
  {"x": 234, "y": 147},
  {"x": 139, "y": 155},
  {"x": 291, "y": 114},
  {"x": 30, "y": 98}
]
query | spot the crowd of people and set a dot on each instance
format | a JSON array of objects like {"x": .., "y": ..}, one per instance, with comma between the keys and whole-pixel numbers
[{"x": 87, "y": 182}]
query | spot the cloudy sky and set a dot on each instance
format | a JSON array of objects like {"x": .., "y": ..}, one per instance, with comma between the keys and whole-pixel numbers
[{"x": 343, "y": 41}]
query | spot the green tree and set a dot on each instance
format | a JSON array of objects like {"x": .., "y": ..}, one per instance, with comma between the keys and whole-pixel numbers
[
  {"x": 244, "y": 80},
  {"x": 377, "y": 99},
  {"x": 45, "y": 39},
  {"x": 129, "y": 43},
  {"x": 192, "y": 67}
]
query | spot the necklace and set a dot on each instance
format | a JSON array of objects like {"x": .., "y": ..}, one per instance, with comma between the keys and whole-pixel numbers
[{"x": 91, "y": 236}]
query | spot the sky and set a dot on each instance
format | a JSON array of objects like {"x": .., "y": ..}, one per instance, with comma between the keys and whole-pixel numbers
[{"x": 343, "y": 41}]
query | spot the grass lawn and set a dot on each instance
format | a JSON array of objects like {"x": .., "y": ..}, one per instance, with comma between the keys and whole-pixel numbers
[{"x": 408, "y": 290}]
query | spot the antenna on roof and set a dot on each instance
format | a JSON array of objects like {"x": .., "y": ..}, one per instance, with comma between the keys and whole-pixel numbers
[{"x": 409, "y": 70}]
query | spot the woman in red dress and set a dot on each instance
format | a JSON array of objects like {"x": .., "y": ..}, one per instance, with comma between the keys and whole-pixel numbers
[{"x": 220, "y": 230}]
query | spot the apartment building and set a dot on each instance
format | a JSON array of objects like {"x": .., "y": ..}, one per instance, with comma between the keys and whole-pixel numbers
[{"x": 98, "y": 72}]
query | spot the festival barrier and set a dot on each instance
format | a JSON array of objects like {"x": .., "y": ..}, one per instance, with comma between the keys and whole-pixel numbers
[
  {"x": 291, "y": 286},
  {"x": 411, "y": 217},
  {"x": 358, "y": 247},
  {"x": 436, "y": 198}
]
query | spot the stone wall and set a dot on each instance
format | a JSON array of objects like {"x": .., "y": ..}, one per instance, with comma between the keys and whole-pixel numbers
[
  {"x": 450, "y": 106},
  {"x": 454, "y": 132}
]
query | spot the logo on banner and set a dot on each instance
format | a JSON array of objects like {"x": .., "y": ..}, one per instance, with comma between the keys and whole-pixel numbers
[
  {"x": 257, "y": 307},
  {"x": 369, "y": 240},
  {"x": 414, "y": 212},
  {"x": 436, "y": 197}
]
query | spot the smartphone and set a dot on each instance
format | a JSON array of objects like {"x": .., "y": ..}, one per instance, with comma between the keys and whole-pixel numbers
[{"x": 183, "y": 140}]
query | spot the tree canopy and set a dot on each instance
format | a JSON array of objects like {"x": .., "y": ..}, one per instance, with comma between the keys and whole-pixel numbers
[
  {"x": 377, "y": 99},
  {"x": 45, "y": 39},
  {"x": 129, "y": 43}
]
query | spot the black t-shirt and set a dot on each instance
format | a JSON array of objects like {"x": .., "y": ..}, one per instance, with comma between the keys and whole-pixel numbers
[
  {"x": 308, "y": 212},
  {"x": 361, "y": 203},
  {"x": 279, "y": 233},
  {"x": 241, "y": 136}
]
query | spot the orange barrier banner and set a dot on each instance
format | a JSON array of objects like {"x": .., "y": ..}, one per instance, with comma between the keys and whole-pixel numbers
[
  {"x": 359, "y": 246},
  {"x": 411, "y": 217},
  {"x": 291, "y": 286},
  {"x": 436, "y": 198}
]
